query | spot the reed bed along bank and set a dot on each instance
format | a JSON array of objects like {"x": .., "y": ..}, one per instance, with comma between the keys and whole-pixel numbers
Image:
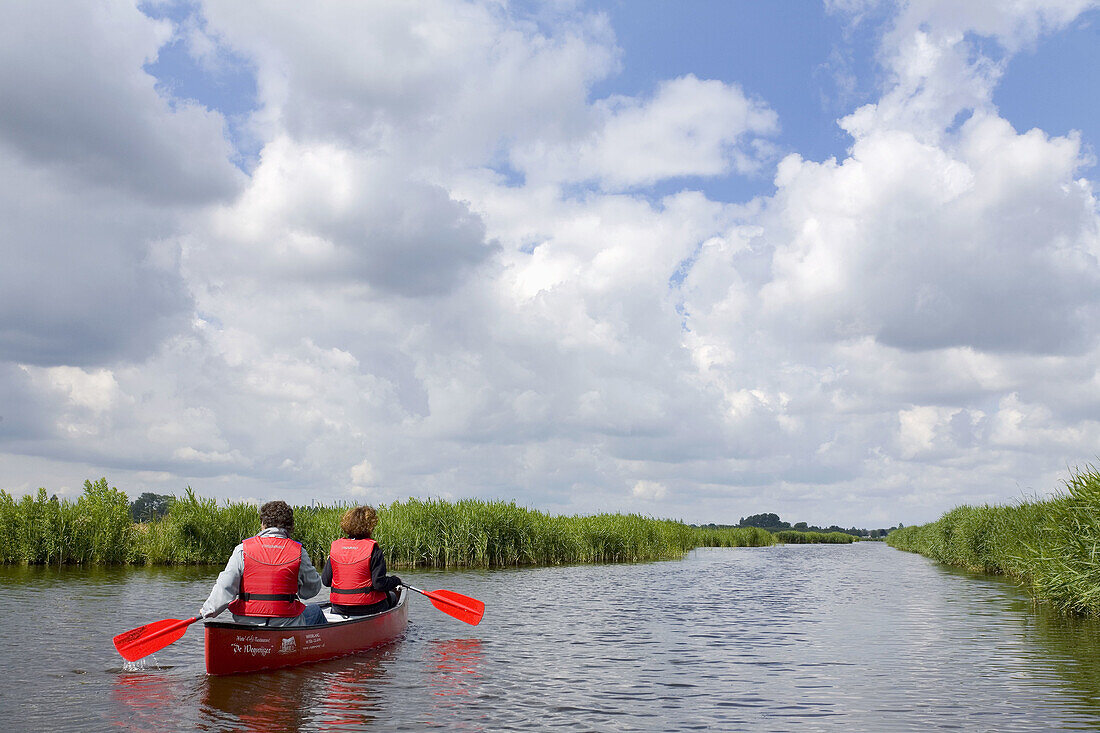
[
  {"x": 97, "y": 528},
  {"x": 1050, "y": 546},
  {"x": 794, "y": 537}
]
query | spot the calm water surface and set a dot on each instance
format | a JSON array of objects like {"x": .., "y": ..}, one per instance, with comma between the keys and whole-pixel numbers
[{"x": 805, "y": 638}]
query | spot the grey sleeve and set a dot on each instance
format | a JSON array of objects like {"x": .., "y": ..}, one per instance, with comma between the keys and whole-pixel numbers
[
  {"x": 309, "y": 580},
  {"x": 226, "y": 586}
]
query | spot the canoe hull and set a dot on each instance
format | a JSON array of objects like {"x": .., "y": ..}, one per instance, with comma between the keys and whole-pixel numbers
[{"x": 236, "y": 648}]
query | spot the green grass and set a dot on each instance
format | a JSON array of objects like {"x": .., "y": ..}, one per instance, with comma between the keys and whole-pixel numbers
[
  {"x": 1050, "y": 546},
  {"x": 434, "y": 533}
]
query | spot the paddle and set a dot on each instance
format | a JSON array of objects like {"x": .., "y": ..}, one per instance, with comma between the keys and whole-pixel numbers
[
  {"x": 454, "y": 604},
  {"x": 144, "y": 640}
]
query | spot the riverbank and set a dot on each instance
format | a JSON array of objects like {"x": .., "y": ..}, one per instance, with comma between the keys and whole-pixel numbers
[
  {"x": 97, "y": 529},
  {"x": 1048, "y": 546}
]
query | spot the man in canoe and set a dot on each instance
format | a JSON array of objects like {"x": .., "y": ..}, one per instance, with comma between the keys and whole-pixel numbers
[
  {"x": 267, "y": 575},
  {"x": 356, "y": 567}
]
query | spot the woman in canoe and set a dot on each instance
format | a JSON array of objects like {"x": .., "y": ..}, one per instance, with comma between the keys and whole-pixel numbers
[
  {"x": 267, "y": 575},
  {"x": 356, "y": 567}
]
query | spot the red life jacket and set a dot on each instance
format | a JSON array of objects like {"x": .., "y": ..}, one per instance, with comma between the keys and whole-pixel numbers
[
  {"x": 351, "y": 581},
  {"x": 269, "y": 586}
]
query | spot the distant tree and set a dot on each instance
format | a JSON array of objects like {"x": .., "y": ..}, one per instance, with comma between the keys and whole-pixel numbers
[
  {"x": 150, "y": 506},
  {"x": 767, "y": 521},
  {"x": 772, "y": 522}
]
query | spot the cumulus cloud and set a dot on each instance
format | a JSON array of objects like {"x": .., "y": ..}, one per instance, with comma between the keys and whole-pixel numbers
[
  {"x": 947, "y": 262},
  {"x": 649, "y": 490},
  {"x": 930, "y": 247},
  {"x": 409, "y": 294},
  {"x": 322, "y": 213},
  {"x": 77, "y": 101},
  {"x": 95, "y": 167},
  {"x": 691, "y": 127},
  {"x": 443, "y": 83},
  {"x": 86, "y": 279},
  {"x": 932, "y": 233}
]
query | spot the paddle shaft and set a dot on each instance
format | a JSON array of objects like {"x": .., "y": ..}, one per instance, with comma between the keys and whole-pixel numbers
[
  {"x": 433, "y": 596},
  {"x": 169, "y": 629},
  {"x": 454, "y": 604}
]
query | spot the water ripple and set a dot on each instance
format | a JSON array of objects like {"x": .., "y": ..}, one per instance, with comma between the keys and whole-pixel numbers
[{"x": 772, "y": 639}]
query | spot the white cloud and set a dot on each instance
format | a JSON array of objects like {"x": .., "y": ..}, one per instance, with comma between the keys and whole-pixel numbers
[
  {"x": 362, "y": 474},
  {"x": 929, "y": 247},
  {"x": 1034, "y": 428},
  {"x": 920, "y": 426},
  {"x": 437, "y": 82},
  {"x": 322, "y": 213},
  {"x": 649, "y": 490},
  {"x": 401, "y": 300},
  {"x": 691, "y": 127},
  {"x": 95, "y": 169},
  {"x": 96, "y": 390},
  {"x": 78, "y": 102}
]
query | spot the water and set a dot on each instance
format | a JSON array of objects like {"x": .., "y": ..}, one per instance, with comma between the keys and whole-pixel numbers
[{"x": 807, "y": 638}]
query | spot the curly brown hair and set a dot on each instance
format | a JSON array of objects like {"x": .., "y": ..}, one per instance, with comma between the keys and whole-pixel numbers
[
  {"x": 359, "y": 522},
  {"x": 277, "y": 514}
]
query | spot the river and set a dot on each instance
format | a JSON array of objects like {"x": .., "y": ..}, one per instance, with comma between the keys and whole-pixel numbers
[{"x": 801, "y": 637}]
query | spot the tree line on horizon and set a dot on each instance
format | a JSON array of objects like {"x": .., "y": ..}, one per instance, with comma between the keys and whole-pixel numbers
[{"x": 771, "y": 522}]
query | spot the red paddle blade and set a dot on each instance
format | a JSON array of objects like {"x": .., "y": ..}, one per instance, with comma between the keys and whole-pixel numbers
[
  {"x": 144, "y": 640},
  {"x": 461, "y": 607}
]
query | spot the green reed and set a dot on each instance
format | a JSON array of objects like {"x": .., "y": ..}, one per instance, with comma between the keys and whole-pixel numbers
[
  {"x": 794, "y": 537},
  {"x": 1050, "y": 546},
  {"x": 96, "y": 528}
]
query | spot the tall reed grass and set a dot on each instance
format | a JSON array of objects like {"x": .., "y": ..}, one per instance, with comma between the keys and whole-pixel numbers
[
  {"x": 794, "y": 537},
  {"x": 96, "y": 528},
  {"x": 1050, "y": 546},
  {"x": 414, "y": 533}
]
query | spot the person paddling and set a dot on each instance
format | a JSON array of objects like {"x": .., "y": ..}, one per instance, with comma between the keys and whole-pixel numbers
[
  {"x": 267, "y": 575},
  {"x": 356, "y": 568}
]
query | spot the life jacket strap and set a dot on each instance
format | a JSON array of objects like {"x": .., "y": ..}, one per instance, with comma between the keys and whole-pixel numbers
[{"x": 267, "y": 596}]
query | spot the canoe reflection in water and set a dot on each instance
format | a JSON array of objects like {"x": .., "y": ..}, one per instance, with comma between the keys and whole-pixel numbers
[
  {"x": 454, "y": 666},
  {"x": 139, "y": 699},
  {"x": 278, "y": 701},
  {"x": 336, "y": 694},
  {"x": 453, "y": 670},
  {"x": 353, "y": 698}
]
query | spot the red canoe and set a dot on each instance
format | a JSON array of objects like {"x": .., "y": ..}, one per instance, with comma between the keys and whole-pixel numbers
[{"x": 233, "y": 648}]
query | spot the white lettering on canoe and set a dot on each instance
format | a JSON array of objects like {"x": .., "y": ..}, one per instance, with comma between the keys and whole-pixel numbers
[
  {"x": 256, "y": 651},
  {"x": 243, "y": 638}
]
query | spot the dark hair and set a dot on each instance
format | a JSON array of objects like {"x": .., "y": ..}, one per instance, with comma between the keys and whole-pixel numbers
[
  {"x": 358, "y": 522},
  {"x": 277, "y": 514}
]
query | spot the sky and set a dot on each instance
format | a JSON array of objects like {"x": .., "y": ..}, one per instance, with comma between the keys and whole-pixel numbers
[{"x": 695, "y": 260}]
